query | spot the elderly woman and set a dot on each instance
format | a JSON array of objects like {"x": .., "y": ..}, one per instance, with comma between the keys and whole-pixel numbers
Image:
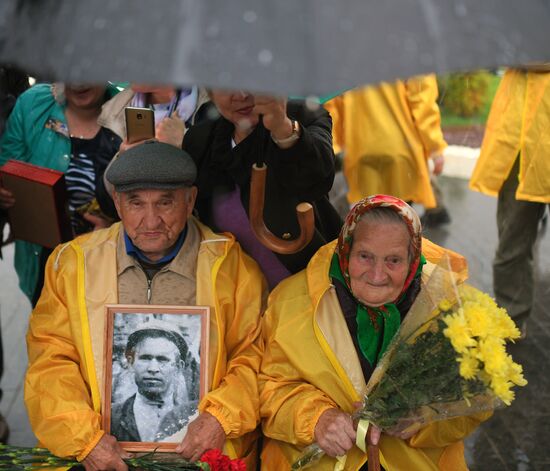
[
  {"x": 326, "y": 328},
  {"x": 296, "y": 144}
]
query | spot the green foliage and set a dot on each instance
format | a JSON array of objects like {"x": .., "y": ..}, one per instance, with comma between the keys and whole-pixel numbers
[
  {"x": 465, "y": 98},
  {"x": 424, "y": 373}
]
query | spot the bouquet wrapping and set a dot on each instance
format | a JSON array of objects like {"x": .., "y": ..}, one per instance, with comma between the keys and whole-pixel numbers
[{"x": 448, "y": 359}]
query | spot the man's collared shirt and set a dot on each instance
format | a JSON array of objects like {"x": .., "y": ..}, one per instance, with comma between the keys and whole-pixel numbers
[
  {"x": 174, "y": 284},
  {"x": 148, "y": 416}
]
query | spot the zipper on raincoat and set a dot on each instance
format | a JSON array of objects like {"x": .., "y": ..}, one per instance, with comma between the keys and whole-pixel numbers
[{"x": 149, "y": 283}]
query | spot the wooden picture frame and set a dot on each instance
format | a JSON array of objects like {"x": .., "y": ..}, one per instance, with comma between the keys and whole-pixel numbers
[{"x": 155, "y": 373}]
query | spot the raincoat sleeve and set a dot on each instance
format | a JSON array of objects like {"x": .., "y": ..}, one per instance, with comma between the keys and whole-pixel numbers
[
  {"x": 335, "y": 107},
  {"x": 57, "y": 395},
  {"x": 421, "y": 94},
  {"x": 290, "y": 406},
  {"x": 446, "y": 432},
  {"x": 234, "y": 401},
  {"x": 306, "y": 170}
]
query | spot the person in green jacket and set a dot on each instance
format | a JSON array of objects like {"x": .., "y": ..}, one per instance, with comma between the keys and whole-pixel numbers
[{"x": 55, "y": 126}]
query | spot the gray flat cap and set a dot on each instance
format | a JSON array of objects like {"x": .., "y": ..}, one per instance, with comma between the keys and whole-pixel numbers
[{"x": 151, "y": 165}]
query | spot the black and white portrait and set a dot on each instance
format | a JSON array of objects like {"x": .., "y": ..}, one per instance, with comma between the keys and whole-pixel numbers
[{"x": 155, "y": 375}]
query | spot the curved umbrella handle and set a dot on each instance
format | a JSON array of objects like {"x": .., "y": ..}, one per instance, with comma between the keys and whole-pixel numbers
[{"x": 304, "y": 213}]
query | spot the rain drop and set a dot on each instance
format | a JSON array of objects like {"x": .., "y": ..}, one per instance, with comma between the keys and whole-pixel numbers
[
  {"x": 213, "y": 113},
  {"x": 461, "y": 10},
  {"x": 250, "y": 16},
  {"x": 212, "y": 30},
  {"x": 265, "y": 56},
  {"x": 100, "y": 23},
  {"x": 68, "y": 49},
  {"x": 346, "y": 25},
  {"x": 313, "y": 103}
]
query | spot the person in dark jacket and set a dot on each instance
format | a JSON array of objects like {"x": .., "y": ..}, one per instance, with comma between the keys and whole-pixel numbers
[{"x": 295, "y": 143}]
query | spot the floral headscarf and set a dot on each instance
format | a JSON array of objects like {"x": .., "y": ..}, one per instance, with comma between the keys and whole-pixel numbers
[{"x": 373, "y": 340}]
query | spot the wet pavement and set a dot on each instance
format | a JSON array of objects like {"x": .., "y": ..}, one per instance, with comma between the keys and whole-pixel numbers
[{"x": 514, "y": 439}]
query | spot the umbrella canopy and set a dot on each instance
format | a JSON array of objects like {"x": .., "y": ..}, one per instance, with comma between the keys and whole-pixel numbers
[{"x": 296, "y": 47}]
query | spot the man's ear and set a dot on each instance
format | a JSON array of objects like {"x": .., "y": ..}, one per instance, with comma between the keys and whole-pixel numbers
[
  {"x": 116, "y": 200},
  {"x": 191, "y": 198}
]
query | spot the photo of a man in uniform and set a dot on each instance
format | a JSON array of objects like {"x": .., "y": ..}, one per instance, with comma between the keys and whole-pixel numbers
[{"x": 165, "y": 400}]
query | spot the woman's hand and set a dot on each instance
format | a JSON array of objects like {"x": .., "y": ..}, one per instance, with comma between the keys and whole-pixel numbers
[
  {"x": 7, "y": 200},
  {"x": 97, "y": 221},
  {"x": 125, "y": 145},
  {"x": 204, "y": 433},
  {"x": 334, "y": 432},
  {"x": 274, "y": 115},
  {"x": 171, "y": 130}
]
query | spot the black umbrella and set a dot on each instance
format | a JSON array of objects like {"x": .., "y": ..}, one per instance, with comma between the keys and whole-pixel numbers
[{"x": 296, "y": 47}]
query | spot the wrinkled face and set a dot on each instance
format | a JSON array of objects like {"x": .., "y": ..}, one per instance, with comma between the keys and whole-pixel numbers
[
  {"x": 154, "y": 219},
  {"x": 379, "y": 262},
  {"x": 155, "y": 365},
  {"x": 84, "y": 96},
  {"x": 237, "y": 107}
]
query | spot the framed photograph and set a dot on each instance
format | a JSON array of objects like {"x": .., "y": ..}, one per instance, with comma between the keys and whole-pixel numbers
[{"x": 156, "y": 364}]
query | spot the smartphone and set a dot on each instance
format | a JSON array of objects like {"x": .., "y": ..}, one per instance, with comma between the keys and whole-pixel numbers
[{"x": 140, "y": 124}]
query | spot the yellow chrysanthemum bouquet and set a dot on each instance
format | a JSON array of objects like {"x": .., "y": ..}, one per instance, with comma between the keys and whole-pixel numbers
[{"x": 448, "y": 359}]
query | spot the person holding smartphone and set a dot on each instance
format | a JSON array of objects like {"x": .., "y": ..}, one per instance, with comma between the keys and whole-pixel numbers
[{"x": 175, "y": 110}]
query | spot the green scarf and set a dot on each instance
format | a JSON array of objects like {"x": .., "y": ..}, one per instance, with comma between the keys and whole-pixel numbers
[{"x": 373, "y": 340}]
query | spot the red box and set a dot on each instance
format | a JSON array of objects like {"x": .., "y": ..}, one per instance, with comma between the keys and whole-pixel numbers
[{"x": 40, "y": 214}]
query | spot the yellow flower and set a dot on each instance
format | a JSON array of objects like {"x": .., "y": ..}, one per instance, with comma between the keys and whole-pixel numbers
[
  {"x": 469, "y": 366},
  {"x": 457, "y": 332},
  {"x": 504, "y": 326},
  {"x": 445, "y": 305},
  {"x": 492, "y": 353},
  {"x": 502, "y": 390},
  {"x": 478, "y": 320},
  {"x": 515, "y": 373}
]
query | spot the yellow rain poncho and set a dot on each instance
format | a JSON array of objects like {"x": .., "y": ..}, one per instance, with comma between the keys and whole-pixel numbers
[
  {"x": 387, "y": 133},
  {"x": 519, "y": 122},
  {"x": 64, "y": 382},
  {"x": 310, "y": 365}
]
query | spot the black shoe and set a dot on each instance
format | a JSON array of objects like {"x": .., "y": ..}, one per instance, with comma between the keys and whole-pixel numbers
[
  {"x": 435, "y": 217},
  {"x": 4, "y": 430}
]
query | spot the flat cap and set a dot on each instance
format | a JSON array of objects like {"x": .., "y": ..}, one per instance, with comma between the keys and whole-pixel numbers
[
  {"x": 157, "y": 329},
  {"x": 151, "y": 165}
]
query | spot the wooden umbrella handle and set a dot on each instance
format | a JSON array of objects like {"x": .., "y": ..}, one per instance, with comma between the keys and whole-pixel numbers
[
  {"x": 304, "y": 213},
  {"x": 373, "y": 453}
]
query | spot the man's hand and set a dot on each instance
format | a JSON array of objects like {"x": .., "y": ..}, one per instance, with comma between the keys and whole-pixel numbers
[
  {"x": 171, "y": 130},
  {"x": 204, "y": 433},
  {"x": 107, "y": 455},
  {"x": 439, "y": 162},
  {"x": 7, "y": 199},
  {"x": 334, "y": 432},
  {"x": 274, "y": 115}
]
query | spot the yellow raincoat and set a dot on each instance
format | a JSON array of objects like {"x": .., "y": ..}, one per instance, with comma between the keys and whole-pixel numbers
[
  {"x": 64, "y": 382},
  {"x": 519, "y": 121},
  {"x": 310, "y": 365},
  {"x": 387, "y": 133}
]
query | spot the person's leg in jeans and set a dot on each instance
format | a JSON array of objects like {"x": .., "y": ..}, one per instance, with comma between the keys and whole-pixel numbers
[{"x": 513, "y": 272}]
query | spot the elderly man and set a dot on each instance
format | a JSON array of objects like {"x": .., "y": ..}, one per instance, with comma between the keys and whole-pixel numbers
[
  {"x": 158, "y": 254},
  {"x": 157, "y": 355}
]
